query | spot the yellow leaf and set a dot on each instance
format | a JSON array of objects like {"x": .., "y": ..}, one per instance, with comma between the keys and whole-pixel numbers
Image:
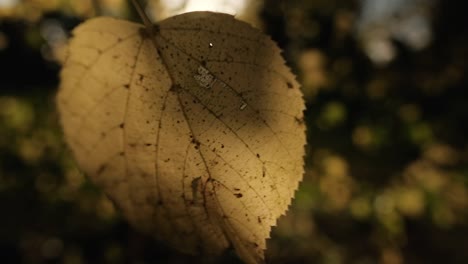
[{"x": 194, "y": 128}]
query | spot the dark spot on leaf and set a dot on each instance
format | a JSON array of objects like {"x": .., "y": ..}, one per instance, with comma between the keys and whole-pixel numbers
[
  {"x": 126, "y": 86},
  {"x": 101, "y": 169},
  {"x": 258, "y": 155},
  {"x": 238, "y": 195},
  {"x": 259, "y": 220},
  {"x": 194, "y": 185},
  {"x": 148, "y": 144},
  {"x": 196, "y": 143},
  {"x": 122, "y": 153},
  {"x": 290, "y": 86},
  {"x": 122, "y": 125}
]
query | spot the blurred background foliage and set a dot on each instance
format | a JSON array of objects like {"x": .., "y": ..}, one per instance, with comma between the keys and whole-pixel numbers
[{"x": 387, "y": 160}]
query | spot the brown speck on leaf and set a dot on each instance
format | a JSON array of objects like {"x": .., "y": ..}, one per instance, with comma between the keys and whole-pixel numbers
[
  {"x": 238, "y": 195},
  {"x": 195, "y": 142},
  {"x": 101, "y": 169}
]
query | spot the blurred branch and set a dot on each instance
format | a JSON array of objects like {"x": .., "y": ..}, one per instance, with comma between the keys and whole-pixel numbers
[{"x": 97, "y": 8}]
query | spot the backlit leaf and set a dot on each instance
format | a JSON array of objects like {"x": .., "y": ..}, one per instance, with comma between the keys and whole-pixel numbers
[{"x": 194, "y": 128}]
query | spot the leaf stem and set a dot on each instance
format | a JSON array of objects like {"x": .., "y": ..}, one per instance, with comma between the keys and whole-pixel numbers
[
  {"x": 97, "y": 8},
  {"x": 143, "y": 16}
]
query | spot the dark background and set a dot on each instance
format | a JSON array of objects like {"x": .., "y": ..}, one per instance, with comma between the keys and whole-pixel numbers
[{"x": 387, "y": 165}]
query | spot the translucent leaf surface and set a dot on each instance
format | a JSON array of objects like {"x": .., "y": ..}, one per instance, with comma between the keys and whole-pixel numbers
[{"x": 195, "y": 131}]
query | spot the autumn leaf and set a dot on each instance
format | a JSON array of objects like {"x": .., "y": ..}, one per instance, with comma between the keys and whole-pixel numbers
[{"x": 193, "y": 127}]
